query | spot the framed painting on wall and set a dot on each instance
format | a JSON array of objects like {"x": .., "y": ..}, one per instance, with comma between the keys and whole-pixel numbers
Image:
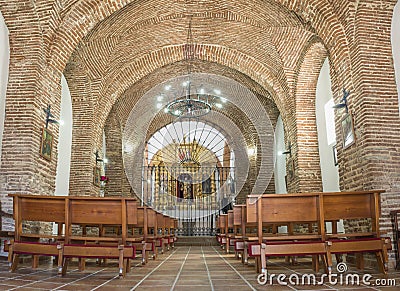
[
  {"x": 335, "y": 158},
  {"x": 347, "y": 130},
  {"x": 46, "y": 144},
  {"x": 96, "y": 176}
]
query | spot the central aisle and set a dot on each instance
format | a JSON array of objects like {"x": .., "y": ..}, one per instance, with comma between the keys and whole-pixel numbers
[{"x": 197, "y": 268}]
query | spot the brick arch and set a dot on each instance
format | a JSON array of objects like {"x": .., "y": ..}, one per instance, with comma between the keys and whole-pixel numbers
[
  {"x": 302, "y": 127},
  {"x": 324, "y": 19},
  {"x": 127, "y": 100},
  {"x": 236, "y": 60},
  {"x": 241, "y": 121}
]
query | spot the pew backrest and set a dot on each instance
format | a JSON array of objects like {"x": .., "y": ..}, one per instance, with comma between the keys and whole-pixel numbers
[
  {"x": 353, "y": 205},
  {"x": 35, "y": 208}
]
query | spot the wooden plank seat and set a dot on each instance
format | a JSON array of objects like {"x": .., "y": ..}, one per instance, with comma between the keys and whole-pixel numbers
[
  {"x": 222, "y": 226},
  {"x": 142, "y": 229},
  {"x": 295, "y": 248},
  {"x": 230, "y": 236},
  {"x": 162, "y": 237},
  {"x": 242, "y": 230},
  {"x": 35, "y": 249},
  {"x": 172, "y": 227},
  {"x": 359, "y": 246},
  {"x": 120, "y": 252}
]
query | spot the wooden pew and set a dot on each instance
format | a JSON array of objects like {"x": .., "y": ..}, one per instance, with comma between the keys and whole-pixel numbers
[
  {"x": 243, "y": 230},
  {"x": 38, "y": 240},
  {"x": 69, "y": 211},
  {"x": 356, "y": 205},
  {"x": 97, "y": 213},
  {"x": 172, "y": 228},
  {"x": 316, "y": 210},
  {"x": 222, "y": 225},
  {"x": 140, "y": 232},
  {"x": 169, "y": 232},
  {"x": 160, "y": 232},
  {"x": 273, "y": 210},
  {"x": 230, "y": 236}
]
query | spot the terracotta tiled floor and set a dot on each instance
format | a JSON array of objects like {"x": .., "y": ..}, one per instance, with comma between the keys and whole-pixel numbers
[{"x": 183, "y": 268}]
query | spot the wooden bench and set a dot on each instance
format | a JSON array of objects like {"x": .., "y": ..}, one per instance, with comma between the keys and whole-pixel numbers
[
  {"x": 316, "y": 210},
  {"x": 244, "y": 231},
  {"x": 222, "y": 226},
  {"x": 162, "y": 238},
  {"x": 35, "y": 249},
  {"x": 40, "y": 212},
  {"x": 270, "y": 211},
  {"x": 94, "y": 213},
  {"x": 230, "y": 235},
  {"x": 356, "y": 205},
  {"x": 102, "y": 251},
  {"x": 140, "y": 236},
  {"x": 98, "y": 213}
]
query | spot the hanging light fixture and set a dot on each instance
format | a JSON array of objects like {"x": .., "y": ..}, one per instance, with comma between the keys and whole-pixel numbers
[{"x": 192, "y": 104}]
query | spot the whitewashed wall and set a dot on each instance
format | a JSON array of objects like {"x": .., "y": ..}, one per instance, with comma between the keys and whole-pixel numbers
[
  {"x": 326, "y": 130},
  {"x": 280, "y": 160},
  {"x": 65, "y": 141}
]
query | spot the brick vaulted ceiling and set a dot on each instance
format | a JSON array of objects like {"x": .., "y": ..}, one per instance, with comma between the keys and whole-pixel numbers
[{"x": 263, "y": 40}]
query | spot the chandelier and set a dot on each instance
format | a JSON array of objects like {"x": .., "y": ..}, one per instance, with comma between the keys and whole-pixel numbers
[{"x": 191, "y": 104}]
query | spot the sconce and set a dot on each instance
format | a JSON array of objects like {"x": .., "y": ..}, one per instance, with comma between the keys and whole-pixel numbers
[
  {"x": 343, "y": 102},
  {"x": 98, "y": 159},
  {"x": 251, "y": 151},
  {"x": 288, "y": 151},
  {"x": 49, "y": 116}
]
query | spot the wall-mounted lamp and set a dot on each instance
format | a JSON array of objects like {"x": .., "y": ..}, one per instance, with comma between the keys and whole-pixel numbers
[
  {"x": 288, "y": 151},
  {"x": 251, "y": 151},
  {"x": 98, "y": 159},
  {"x": 50, "y": 117},
  {"x": 343, "y": 102}
]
